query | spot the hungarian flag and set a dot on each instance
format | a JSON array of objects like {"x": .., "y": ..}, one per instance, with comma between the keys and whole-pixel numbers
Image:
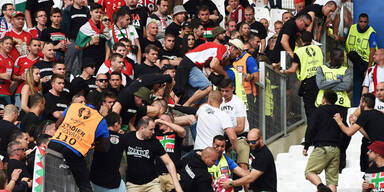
[
  {"x": 376, "y": 180},
  {"x": 38, "y": 172},
  {"x": 87, "y": 32},
  {"x": 20, "y": 5}
]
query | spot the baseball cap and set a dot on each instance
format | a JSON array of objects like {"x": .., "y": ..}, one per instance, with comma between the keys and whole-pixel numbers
[
  {"x": 237, "y": 43},
  {"x": 178, "y": 9},
  {"x": 217, "y": 31},
  {"x": 144, "y": 93},
  {"x": 377, "y": 147},
  {"x": 299, "y": 1},
  {"x": 17, "y": 13}
]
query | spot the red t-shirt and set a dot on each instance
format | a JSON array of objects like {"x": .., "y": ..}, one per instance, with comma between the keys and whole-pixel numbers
[
  {"x": 204, "y": 53},
  {"x": 110, "y": 6},
  {"x": 238, "y": 14},
  {"x": 25, "y": 37},
  {"x": 21, "y": 65},
  {"x": 6, "y": 65}
]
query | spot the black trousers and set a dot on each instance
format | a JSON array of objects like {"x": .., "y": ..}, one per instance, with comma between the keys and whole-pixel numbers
[
  {"x": 309, "y": 90},
  {"x": 76, "y": 164},
  {"x": 364, "y": 161}
]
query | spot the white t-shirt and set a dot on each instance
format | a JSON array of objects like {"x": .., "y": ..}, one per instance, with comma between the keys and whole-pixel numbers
[
  {"x": 235, "y": 108},
  {"x": 368, "y": 80},
  {"x": 379, "y": 105},
  {"x": 104, "y": 69},
  {"x": 129, "y": 33},
  {"x": 211, "y": 121}
]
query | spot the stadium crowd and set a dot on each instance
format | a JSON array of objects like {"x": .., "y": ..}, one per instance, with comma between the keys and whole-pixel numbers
[{"x": 116, "y": 87}]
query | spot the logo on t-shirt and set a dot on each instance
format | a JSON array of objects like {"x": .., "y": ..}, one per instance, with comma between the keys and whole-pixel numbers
[
  {"x": 138, "y": 152},
  {"x": 168, "y": 142},
  {"x": 114, "y": 139}
]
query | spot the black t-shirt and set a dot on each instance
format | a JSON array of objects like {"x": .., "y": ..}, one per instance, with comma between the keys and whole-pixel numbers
[
  {"x": 169, "y": 54},
  {"x": 138, "y": 18},
  {"x": 78, "y": 84},
  {"x": 262, "y": 160},
  {"x": 173, "y": 29},
  {"x": 34, "y": 5},
  {"x": 192, "y": 7},
  {"x": 289, "y": 28},
  {"x": 53, "y": 35},
  {"x": 78, "y": 18},
  {"x": 141, "y": 155},
  {"x": 7, "y": 128},
  {"x": 129, "y": 109},
  {"x": 142, "y": 69},
  {"x": 317, "y": 9},
  {"x": 28, "y": 121},
  {"x": 97, "y": 52},
  {"x": 256, "y": 28},
  {"x": 45, "y": 68},
  {"x": 16, "y": 164},
  {"x": 105, "y": 165},
  {"x": 172, "y": 145},
  {"x": 372, "y": 122},
  {"x": 208, "y": 30},
  {"x": 67, "y": 91},
  {"x": 54, "y": 103},
  {"x": 145, "y": 42}
]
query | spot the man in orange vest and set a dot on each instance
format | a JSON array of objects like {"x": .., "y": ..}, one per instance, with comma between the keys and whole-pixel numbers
[{"x": 79, "y": 129}]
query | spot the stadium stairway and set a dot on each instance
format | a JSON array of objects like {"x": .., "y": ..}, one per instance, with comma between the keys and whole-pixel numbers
[{"x": 290, "y": 169}]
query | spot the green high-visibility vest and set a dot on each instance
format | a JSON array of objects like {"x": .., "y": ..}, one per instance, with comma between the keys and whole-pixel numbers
[
  {"x": 332, "y": 74},
  {"x": 239, "y": 89},
  {"x": 310, "y": 57},
  {"x": 221, "y": 168},
  {"x": 359, "y": 42}
]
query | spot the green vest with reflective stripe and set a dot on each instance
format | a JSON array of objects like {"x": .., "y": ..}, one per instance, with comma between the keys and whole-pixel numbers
[
  {"x": 332, "y": 74},
  {"x": 310, "y": 57},
  {"x": 221, "y": 168},
  {"x": 239, "y": 89},
  {"x": 359, "y": 42}
]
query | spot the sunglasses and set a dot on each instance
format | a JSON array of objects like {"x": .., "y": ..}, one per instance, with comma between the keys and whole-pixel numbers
[
  {"x": 106, "y": 19},
  {"x": 102, "y": 80},
  {"x": 253, "y": 142}
]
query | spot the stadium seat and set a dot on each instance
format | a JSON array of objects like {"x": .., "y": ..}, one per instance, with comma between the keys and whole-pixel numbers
[
  {"x": 276, "y": 15},
  {"x": 261, "y": 12}
]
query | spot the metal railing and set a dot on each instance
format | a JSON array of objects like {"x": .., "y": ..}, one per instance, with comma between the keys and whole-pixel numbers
[{"x": 278, "y": 109}]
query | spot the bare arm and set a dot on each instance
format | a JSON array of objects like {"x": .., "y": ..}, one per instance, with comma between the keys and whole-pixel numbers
[
  {"x": 255, "y": 174},
  {"x": 172, "y": 171},
  {"x": 263, "y": 45},
  {"x": 292, "y": 69},
  {"x": 116, "y": 107},
  {"x": 137, "y": 42},
  {"x": 285, "y": 43},
  {"x": 347, "y": 130},
  {"x": 28, "y": 18},
  {"x": 371, "y": 54},
  {"x": 24, "y": 98},
  {"x": 215, "y": 65},
  {"x": 240, "y": 171},
  {"x": 310, "y": 27},
  {"x": 240, "y": 125},
  {"x": 108, "y": 51},
  {"x": 59, "y": 121},
  {"x": 232, "y": 137},
  {"x": 180, "y": 131}
]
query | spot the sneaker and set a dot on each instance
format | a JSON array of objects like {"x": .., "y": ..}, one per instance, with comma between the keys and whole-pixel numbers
[{"x": 323, "y": 188}]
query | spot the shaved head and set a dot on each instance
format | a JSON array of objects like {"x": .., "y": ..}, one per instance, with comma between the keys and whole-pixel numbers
[{"x": 209, "y": 156}]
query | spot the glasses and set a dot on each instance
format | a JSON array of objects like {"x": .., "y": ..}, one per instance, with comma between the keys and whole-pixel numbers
[
  {"x": 103, "y": 80},
  {"x": 253, "y": 142},
  {"x": 106, "y": 19},
  {"x": 22, "y": 149}
]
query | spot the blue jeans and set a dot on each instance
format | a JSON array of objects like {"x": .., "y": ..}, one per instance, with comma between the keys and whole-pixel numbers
[
  {"x": 97, "y": 188},
  {"x": 7, "y": 98}
]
